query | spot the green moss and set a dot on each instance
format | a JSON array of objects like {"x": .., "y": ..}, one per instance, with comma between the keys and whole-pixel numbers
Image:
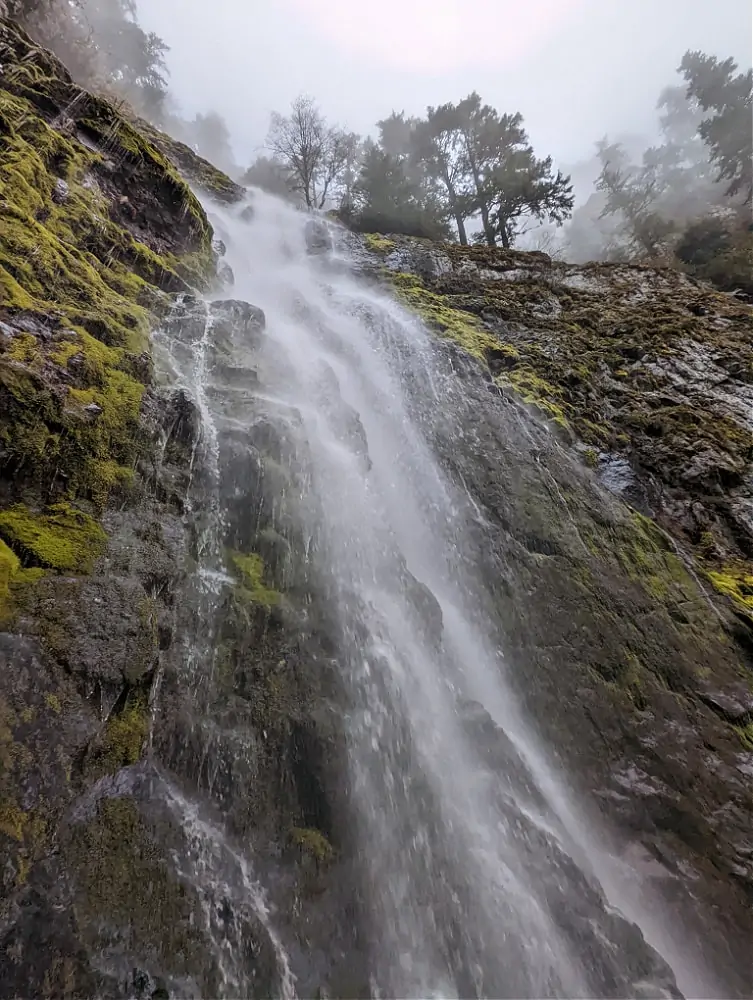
[
  {"x": 9, "y": 567},
  {"x": 379, "y": 244},
  {"x": 124, "y": 737},
  {"x": 536, "y": 392},
  {"x": 646, "y": 554},
  {"x": 746, "y": 736},
  {"x": 474, "y": 338},
  {"x": 70, "y": 256},
  {"x": 53, "y": 702},
  {"x": 591, "y": 457},
  {"x": 444, "y": 319},
  {"x": 312, "y": 843},
  {"x": 735, "y": 582},
  {"x": 23, "y": 349},
  {"x": 78, "y": 266},
  {"x": 47, "y": 429},
  {"x": 63, "y": 538},
  {"x": 250, "y": 571},
  {"x": 124, "y": 881},
  {"x": 198, "y": 170},
  {"x": 12, "y": 820}
]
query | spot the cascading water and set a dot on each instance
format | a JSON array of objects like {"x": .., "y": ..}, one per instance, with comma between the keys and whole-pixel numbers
[
  {"x": 473, "y": 889},
  {"x": 232, "y": 899}
]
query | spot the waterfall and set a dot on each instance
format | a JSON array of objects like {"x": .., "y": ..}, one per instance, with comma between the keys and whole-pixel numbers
[{"x": 475, "y": 882}]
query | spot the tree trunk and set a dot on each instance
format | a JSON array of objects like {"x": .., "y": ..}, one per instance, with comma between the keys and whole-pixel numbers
[
  {"x": 454, "y": 208},
  {"x": 483, "y": 204},
  {"x": 488, "y": 228},
  {"x": 503, "y": 237}
]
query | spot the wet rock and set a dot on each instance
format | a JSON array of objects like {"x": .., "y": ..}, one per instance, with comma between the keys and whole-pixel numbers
[
  {"x": 427, "y": 606},
  {"x": 60, "y": 191},
  {"x": 114, "y": 642},
  {"x": 641, "y": 365},
  {"x": 233, "y": 318},
  {"x": 318, "y": 237},
  {"x": 219, "y": 248},
  {"x": 736, "y": 706},
  {"x": 225, "y": 275}
]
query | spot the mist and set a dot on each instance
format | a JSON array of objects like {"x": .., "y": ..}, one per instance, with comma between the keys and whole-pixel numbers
[{"x": 576, "y": 69}]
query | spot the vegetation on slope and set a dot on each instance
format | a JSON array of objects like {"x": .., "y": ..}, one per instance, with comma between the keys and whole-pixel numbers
[{"x": 626, "y": 362}]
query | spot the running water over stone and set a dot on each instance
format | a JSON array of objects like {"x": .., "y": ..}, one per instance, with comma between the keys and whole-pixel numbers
[{"x": 473, "y": 879}]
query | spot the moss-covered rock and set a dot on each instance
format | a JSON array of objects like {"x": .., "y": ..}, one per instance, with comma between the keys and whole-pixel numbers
[
  {"x": 97, "y": 225},
  {"x": 198, "y": 171},
  {"x": 63, "y": 538},
  {"x": 634, "y": 365},
  {"x": 250, "y": 570}
]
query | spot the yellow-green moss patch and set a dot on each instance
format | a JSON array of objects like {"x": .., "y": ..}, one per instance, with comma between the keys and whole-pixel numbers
[
  {"x": 250, "y": 570},
  {"x": 312, "y": 843},
  {"x": 735, "y": 582},
  {"x": 12, "y": 578},
  {"x": 379, "y": 244},
  {"x": 746, "y": 736},
  {"x": 433, "y": 309},
  {"x": 646, "y": 555},
  {"x": 63, "y": 538},
  {"x": 535, "y": 391},
  {"x": 123, "y": 739}
]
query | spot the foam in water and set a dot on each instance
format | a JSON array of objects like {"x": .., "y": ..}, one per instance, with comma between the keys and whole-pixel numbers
[{"x": 477, "y": 886}]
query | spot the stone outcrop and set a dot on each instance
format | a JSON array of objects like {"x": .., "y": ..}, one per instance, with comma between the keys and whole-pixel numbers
[
  {"x": 102, "y": 510},
  {"x": 647, "y": 374},
  {"x": 630, "y": 623}
]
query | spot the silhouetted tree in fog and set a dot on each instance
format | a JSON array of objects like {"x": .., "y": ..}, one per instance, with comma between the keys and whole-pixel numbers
[
  {"x": 270, "y": 175},
  {"x": 390, "y": 198},
  {"x": 102, "y": 44},
  {"x": 631, "y": 194},
  {"x": 314, "y": 152},
  {"x": 210, "y": 135},
  {"x": 729, "y": 131}
]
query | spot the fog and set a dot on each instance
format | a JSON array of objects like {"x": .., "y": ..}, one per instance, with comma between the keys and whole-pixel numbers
[{"x": 576, "y": 69}]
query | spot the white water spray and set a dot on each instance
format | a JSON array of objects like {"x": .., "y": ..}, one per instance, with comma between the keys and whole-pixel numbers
[{"x": 474, "y": 885}]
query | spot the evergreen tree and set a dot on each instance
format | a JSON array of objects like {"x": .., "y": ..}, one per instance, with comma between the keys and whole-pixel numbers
[
  {"x": 631, "y": 195},
  {"x": 388, "y": 199},
  {"x": 438, "y": 144},
  {"x": 728, "y": 132}
]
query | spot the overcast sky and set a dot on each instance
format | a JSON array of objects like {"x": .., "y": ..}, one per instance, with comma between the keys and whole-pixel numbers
[{"x": 574, "y": 68}]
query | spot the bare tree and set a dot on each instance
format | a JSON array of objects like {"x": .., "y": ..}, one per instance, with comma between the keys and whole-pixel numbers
[{"x": 314, "y": 152}]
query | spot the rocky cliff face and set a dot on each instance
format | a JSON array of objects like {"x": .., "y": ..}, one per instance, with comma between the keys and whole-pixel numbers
[
  {"x": 641, "y": 615},
  {"x": 148, "y": 530}
]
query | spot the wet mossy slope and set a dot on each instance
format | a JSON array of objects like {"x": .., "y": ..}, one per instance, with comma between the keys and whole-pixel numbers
[
  {"x": 96, "y": 226},
  {"x": 98, "y": 231},
  {"x": 645, "y": 373},
  {"x": 601, "y": 418}
]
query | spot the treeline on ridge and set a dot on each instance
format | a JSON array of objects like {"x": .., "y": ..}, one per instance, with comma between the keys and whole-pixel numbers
[{"x": 465, "y": 171}]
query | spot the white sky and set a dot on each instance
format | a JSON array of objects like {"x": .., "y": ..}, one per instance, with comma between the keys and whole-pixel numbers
[{"x": 574, "y": 68}]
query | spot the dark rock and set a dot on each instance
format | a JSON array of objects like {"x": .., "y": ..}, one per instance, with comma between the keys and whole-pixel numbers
[
  {"x": 735, "y": 706},
  {"x": 234, "y": 317}
]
